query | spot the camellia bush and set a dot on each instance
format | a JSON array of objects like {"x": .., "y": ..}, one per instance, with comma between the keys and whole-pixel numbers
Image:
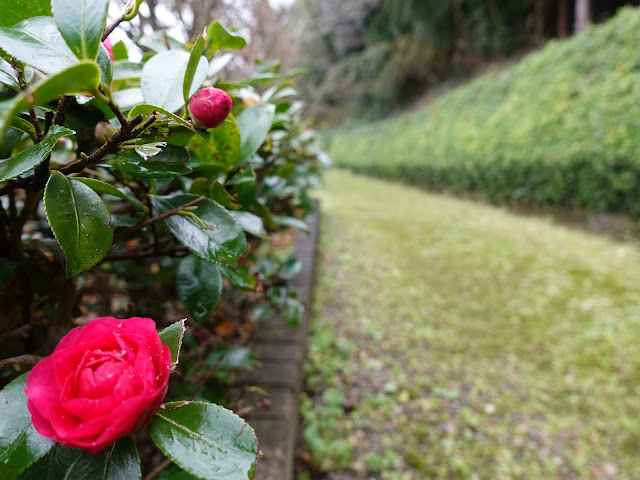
[{"x": 106, "y": 163}]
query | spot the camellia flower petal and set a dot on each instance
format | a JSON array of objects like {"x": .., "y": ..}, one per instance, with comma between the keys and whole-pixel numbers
[
  {"x": 109, "y": 46},
  {"x": 209, "y": 107},
  {"x": 104, "y": 381}
]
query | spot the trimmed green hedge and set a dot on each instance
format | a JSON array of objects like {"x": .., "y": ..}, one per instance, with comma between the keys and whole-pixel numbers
[{"x": 562, "y": 127}]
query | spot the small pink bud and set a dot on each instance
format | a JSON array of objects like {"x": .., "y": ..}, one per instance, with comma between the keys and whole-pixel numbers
[
  {"x": 109, "y": 46},
  {"x": 209, "y": 107}
]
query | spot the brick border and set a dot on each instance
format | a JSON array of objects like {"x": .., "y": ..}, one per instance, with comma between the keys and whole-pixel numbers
[{"x": 281, "y": 353}]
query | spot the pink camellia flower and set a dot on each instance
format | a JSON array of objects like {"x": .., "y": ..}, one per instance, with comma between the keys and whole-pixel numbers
[
  {"x": 109, "y": 46},
  {"x": 104, "y": 381},
  {"x": 209, "y": 107}
]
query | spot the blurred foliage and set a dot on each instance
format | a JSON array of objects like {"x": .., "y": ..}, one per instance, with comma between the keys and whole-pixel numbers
[
  {"x": 559, "y": 128},
  {"x": 371, "y": 56}
]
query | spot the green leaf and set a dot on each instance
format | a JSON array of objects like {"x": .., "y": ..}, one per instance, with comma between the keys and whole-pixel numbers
[
  {"x": 293, "y": 310},
  {"x": 33, "y": 156},
  {"x": 267, "y": 217},
  {"x": 81, "y": 23},
  {"x": 79, "y": 220},
  {"x": 126, "y": 70},
  {"x": 250, "y": 223},
  {"x": 172, "y": 337},
  {"x": 219, "y": 38},
  {"x": 14, "y": 11},
  {"x": 8, "y": 75},
  {"x": 173, "y": 472},
  {"x": 105, "y": 64},
  {"x": 219, "y": 145},
  {"x": 195, "y": 58},
  {"x": 239, "y": 278},
  {"x": 289, "y": 268},
  {"x": 291, "y": 222},
  {"x": 206, "y": 440},
  {"x": 148, "y": 150},
  {"x": 20, "y": 443},
  {"x": 80, "y": 78},
  {"x": 254, "y": 124},
  {"x": 119, "y": 50},
  {"x": 116, "y": 462},
  {"x": 223, "y": 244},
  {"x": 170, "y": 162},
  {"x": 199, "y": 286},
  {"x": 162, "y": 79},
  {"x": 231, "y": 359},
  {"x": 37, "y": 42},
  {"x": 99, "y": 186},
  {"x": 219, "y": 194}
]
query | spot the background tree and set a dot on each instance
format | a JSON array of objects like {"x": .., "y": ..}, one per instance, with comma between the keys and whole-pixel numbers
[{"x": 376, "y": 55}]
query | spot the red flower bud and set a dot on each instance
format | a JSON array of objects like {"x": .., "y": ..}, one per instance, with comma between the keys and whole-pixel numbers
[{"x": 209, "y": 107}]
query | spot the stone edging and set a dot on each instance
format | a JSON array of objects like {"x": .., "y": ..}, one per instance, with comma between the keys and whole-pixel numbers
[{"x": 281, "y": 352}]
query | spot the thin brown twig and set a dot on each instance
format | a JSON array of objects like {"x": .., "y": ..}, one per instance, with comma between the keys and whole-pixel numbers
[
  {"x": 22, "y": 360},
  {"x": 22, "y": 331},
  {"x": 36, "y": 123},
  {"x": 156, "y": 471},
  {"x": 61, "y": 110},
  {"x": 157, "y": 218}
]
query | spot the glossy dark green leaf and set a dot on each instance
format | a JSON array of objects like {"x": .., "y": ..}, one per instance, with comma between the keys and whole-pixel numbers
[
  {"x": 118, "y": 461},
  {"x": 219, "y": 194},
  {"x": 170, "y": 162},
  {"x": 240, "y": 278},
  {"x": 250, "y": 223},
  {"x": 82, "y": 77},
  {"x": 219, "y": 145},
  {"x": 206, "y": 440},
  {"x": 291, "y": 222},
  {"x": 222, "y": 241},
  {"x": 219, "y": 38},
  {"x": 172, "y": 337},
  {"x": 79, "y": 220},
  {"x": 254, "y": 124},
  {"x": 293, "y": 311},
  {"x": 163, "y": 78},
  {"x": 289, "y": 268},
  {"x": 173, "y": 472},
  {"x": 195, "y": 58},
  {"x": 265, "y": 214},
  {"x": 20, "y": 444},
  {"x": 33, "y": 156},
  {"x": 37, "y": 42},
  {"x": 11, "y": 139},
  {"x": 244, "y": 187},
  {"x": 8, "y": 75},
  {"x": 199, "y": 286},
  {"x": 231, "y": 359},
  {"x": 14, "y": 11},
  {"x": 81, "y": 23},
  {"x": 104, "y": 187}
]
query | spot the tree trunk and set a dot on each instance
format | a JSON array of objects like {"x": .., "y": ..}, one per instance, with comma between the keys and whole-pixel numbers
[
  {"x": 563, "y": 17},
  {"x": 583, "y": 15}
]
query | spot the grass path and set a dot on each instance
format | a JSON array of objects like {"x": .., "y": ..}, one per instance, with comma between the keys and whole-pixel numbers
[{"x": 454, "y": 340}]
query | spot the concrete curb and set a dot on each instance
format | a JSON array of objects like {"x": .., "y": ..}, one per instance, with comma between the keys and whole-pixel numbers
[{"x": 281, "y": 353}]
